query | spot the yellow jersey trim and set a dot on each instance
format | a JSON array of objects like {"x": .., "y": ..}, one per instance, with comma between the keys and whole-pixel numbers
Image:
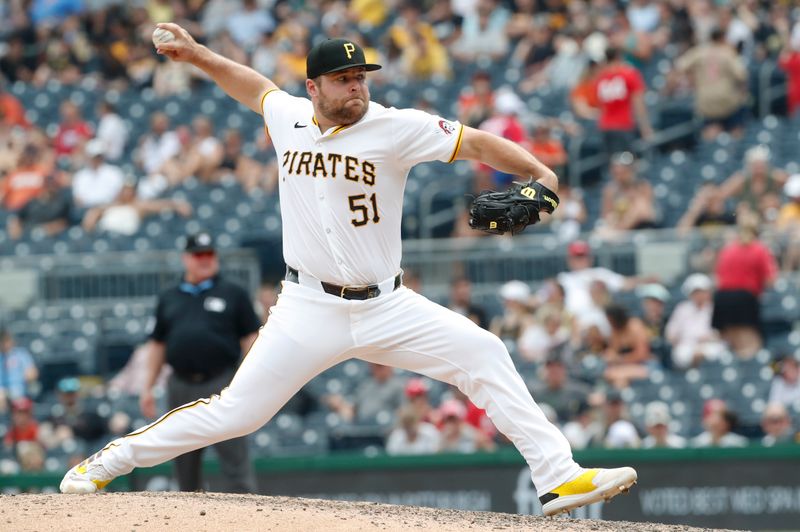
[
  {"x": 263, "y": 96},
  {"x": 337, "y": 130},
  {"x": 204, "y": 401},
  {"x": 458, "y": 144},
  {"x": 314, "y": 120}
]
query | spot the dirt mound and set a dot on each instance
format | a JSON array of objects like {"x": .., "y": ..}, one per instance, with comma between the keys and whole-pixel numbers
[{"x": 137, "y": 512}]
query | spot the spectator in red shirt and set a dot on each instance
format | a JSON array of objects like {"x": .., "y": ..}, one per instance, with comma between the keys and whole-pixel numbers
[
  {"x": 745, "y": 268},
  {"x": 789, "y": 61},
  {"x": 23, "y": 425},
  {"x": 73, "y": 130},
  {"x": 620, "y": 95},
  {"x": 583, "y": 97}
]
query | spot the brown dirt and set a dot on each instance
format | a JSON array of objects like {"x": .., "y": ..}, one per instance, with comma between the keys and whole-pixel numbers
[{"x": 143, "y": 511}]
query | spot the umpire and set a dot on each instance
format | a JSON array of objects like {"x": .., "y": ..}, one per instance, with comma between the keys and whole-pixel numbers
[{"x": 202, "y": 327}]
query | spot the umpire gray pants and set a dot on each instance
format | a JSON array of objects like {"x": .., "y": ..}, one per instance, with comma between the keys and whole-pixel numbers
[{"x": 234, "y": 455}]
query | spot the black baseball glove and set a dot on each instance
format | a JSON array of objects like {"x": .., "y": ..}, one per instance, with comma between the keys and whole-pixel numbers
[{"x": 512, "y": 210}]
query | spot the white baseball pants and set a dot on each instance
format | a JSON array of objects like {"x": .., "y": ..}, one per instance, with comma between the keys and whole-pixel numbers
[{"x": 309, "y": 331}]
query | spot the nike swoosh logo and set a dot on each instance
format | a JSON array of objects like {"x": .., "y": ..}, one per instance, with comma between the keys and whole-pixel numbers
[{"x": 298, "y": 126}]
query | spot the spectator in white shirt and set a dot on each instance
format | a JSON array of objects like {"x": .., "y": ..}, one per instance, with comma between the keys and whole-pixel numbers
[
  {"x": 248, "y": 24},
  {"x": 112, "y": 131},
  {"x": 619, "y": 432},
  {"x": 412, "y": 436},
  {"x": 777, "y": 425},
  {"x": 585, "y": 428},
  {"x": 689, "y": 327},
  {"x": 158, "y": 146},
  {"x": 718, "y": 423},
  {"x": 785, "y": 387},
  {"x": 99, "y": 183},
  {"x": 207, "y": 152},
  {"x": 201, "y": 156},
  {"x": 125, "y": 214},
  {"x": 657, "y": 420},
  {"x": 483, "y": 33},
  {"x": 578, "y": 281},
  {"x": 548, "y": 333}
]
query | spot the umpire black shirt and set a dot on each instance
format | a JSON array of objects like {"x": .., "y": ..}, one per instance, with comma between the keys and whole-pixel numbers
[{"x": 202, "y": 325}]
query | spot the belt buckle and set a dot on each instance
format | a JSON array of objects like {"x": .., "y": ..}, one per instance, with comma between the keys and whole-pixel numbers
[
  {"x": 346, "y": 288},
  {"x": 370, "y": 291}
]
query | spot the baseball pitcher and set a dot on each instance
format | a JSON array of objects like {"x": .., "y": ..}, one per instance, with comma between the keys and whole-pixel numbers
[{"x": 343, "y": 166}]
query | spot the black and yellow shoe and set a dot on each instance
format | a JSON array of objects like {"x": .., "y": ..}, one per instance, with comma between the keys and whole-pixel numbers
[{"x": 593, "y": 485}]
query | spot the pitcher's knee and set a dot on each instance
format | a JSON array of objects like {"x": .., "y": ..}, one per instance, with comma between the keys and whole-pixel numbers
[
  {"x": 491, "y": 346},
  {"x": 485, "y": 350},
  {"x": 246, "y": 426},
  {"x": 242, "y": 423},
  {"x": 240, "y": 419}
]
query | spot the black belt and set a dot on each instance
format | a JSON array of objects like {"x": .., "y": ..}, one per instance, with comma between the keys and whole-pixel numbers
[
  {"x": 358, "y": 293},
  {"x": 200, "y": 377}
]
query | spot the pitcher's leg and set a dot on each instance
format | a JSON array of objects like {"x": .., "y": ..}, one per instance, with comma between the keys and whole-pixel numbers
[
  {"x": 415, "y": 334},
  {"x": 270, "y": 374},
  {"x": 283, "y": 358}
]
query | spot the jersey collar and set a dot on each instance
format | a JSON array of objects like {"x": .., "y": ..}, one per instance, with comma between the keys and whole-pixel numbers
[
  {"x": 197, "y": 289},
  {"x": 337, "y": 129}
]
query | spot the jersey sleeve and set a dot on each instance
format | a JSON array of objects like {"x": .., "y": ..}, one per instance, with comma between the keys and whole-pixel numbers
[
  {"x": 419, "y": 136},
  {"x": 281, "y": 110}
]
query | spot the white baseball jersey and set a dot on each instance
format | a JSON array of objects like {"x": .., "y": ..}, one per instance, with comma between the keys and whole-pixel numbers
[
  {"x": 341, "y": 190},
  {"x": 341, "y": 196}
]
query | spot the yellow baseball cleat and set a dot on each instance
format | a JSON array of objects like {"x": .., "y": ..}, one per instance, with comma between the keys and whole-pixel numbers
[
  {"x": 87, "y": 477},
  {"x": 593, "y": 485}
]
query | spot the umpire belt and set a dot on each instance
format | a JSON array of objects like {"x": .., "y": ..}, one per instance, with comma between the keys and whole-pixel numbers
[
  {"x": 200, "y": 377},
  {"x": 358, "y": 293}
]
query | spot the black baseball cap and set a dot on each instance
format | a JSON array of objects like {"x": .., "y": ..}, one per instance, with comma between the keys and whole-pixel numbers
[
  {"x": 333, "y": 55},
  {"x": 199, "y": 242}
]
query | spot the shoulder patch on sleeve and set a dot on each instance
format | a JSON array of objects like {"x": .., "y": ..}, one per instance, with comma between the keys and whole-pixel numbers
[{"x": 447, "y": 127}]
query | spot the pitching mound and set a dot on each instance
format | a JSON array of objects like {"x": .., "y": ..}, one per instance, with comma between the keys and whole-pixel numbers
[{"x": 137, "y": 512}]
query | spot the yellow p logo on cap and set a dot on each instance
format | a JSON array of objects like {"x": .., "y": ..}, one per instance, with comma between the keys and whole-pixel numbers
[
  {"x": 349, "y": 48},
  {"x": 492, "y": 225}
]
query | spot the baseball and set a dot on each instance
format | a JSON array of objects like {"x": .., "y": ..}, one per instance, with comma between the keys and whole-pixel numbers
[{"x": 161, "y": 36}]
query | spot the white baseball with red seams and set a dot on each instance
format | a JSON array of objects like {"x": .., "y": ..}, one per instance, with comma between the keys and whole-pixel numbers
[
  {"x": 341, "y": 194},
  {"x": 161, "y": 36}
]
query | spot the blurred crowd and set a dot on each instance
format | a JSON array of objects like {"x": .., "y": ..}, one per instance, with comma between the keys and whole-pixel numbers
[
  {"x": 596, "y": 53},
  {"x": 87, "y": 170},
  {"x": 578, "y": 350}
]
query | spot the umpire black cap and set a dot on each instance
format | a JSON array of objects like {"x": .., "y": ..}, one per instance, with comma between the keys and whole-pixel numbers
[
  {"x": 199, "y": 242},
  {"x": 333, "y": 55}
]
